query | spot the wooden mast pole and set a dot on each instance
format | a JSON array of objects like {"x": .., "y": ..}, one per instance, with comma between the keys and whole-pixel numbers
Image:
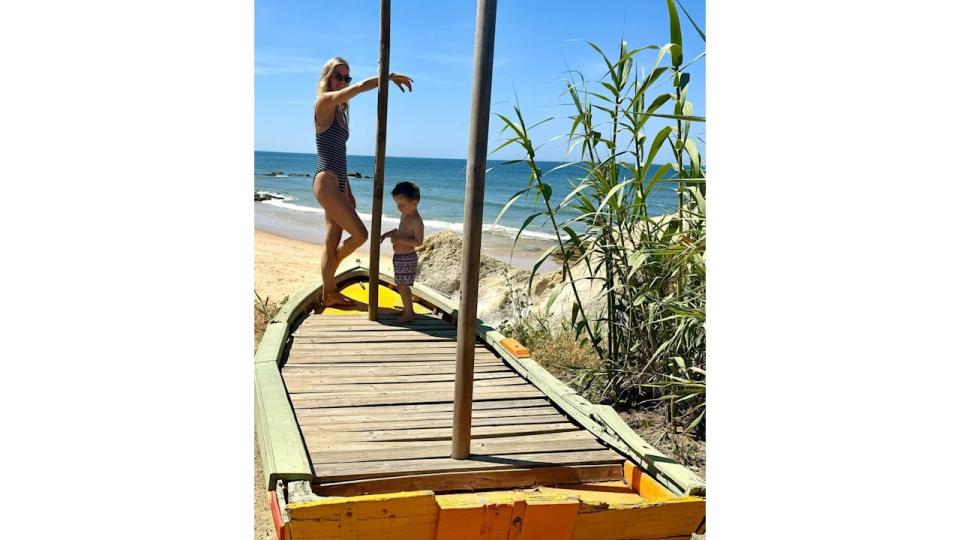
[
  {"x": 382, "y": 87},
  {"x": 473, "y": 224}
]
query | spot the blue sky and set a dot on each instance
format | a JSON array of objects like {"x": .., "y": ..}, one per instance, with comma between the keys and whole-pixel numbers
[{"x": 537, "y": 41}]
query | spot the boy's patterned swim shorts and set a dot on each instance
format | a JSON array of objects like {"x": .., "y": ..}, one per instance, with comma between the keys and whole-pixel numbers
[{"x": 404, "y": 268}]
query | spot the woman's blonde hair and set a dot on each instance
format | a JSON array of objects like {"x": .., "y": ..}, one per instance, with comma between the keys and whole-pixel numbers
[{"x": 343, "y": 110}]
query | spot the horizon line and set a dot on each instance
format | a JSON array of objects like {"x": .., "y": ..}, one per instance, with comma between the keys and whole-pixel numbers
[{"x": 406, "y": 157}]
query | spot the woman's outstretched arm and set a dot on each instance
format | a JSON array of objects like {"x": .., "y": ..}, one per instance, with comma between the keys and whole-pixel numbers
[{"x": 332, "y": 99}]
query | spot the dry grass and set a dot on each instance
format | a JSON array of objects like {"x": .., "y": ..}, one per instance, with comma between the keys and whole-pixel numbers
[
  {"x": 560, "y": 353},
  {"x": 564, "y": 354},
  {"x": 653, "y": 426},
  {"x": 263, "y": 311},
  {"x": 568, "y": 360}
]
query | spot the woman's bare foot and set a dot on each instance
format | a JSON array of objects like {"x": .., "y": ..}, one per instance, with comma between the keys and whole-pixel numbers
[
  {"x": 405, "y": 318},
  {"x": 338, "y": 300}
]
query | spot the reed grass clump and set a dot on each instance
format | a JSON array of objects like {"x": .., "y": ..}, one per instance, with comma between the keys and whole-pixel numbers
[
  {"x": 263, "y": 312},
  {"x": 649, "y": 338}
]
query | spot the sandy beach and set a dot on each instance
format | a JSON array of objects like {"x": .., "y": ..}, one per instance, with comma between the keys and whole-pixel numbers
[{"x": 283, "y": 266}]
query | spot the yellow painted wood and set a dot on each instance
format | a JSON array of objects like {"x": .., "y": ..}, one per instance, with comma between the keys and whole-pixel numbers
[
  {"x": 594, "y": 511},
  {"x": 678, "y": 518},
  {"x": 388, "y": 298},
  {"x": 404, "y": 515},
  {"x": 616, "y": 494}
]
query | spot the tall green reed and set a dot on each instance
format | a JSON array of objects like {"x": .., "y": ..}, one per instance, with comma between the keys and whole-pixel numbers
[{"x": 650, "y": 268}]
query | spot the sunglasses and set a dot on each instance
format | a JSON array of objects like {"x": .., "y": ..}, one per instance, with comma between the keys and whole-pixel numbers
[{"x": 341, "y": 78}]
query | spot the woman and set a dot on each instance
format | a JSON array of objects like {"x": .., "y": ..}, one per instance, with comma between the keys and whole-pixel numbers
[{"x": 330, "y": 184}]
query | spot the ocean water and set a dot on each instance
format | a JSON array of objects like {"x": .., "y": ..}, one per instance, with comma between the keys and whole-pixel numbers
[{"x": 441, "y": 182}]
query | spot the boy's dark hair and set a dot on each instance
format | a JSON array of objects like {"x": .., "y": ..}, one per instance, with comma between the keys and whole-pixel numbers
[{"x": 408, "y": 190}]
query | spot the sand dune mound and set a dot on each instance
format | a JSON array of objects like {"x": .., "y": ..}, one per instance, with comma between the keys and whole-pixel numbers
[{"x": 503, "y": 287}]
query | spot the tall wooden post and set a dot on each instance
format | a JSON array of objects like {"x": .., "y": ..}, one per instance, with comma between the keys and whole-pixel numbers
[
  {"x": 381, "y": 151},
  {"x": 473, "y": 225}
]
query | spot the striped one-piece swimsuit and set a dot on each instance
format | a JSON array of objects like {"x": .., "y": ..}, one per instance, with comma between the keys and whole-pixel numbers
[{"x": 332, "y": 152}]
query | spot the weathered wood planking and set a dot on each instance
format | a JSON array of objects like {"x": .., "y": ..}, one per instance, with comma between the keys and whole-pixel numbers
[
  {"x": 506, "y": 444},
  {"x": 380, "y": 360},
  {"x": 412, "y": 418},
  {"x": 389, "y": 318},
  {"x": 385, "y": 352},
  {"x": 375, "y": 332},
  {"x": 389, "y": 398},
  {"x": 439, "y": 482},
  {"x": 332, "y": 436},
  {"x": 311, "y": 386},
  {"x": 373, "y": 341},
  {"x": 338, "y": 472},
  {"x": 412, "y": 421},
  {"x": 436, "y": 359},
  {"x": 504, "y": 406},
  {"x": 391, "y": 369},
  {"x": 350, "y": 347},
  {"x": 375, "y": 401},
  {"x": 425, "y": 375}
]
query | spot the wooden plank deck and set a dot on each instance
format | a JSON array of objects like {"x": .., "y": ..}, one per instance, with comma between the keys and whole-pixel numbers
[{"x": 374, "y": 401}]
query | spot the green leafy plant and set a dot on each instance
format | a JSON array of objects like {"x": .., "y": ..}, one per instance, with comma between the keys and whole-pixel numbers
[{"x": 650, "y": 268}]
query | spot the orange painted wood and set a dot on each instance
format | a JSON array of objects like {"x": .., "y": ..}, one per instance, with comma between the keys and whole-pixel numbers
[
  {"x": 505, "y": 515},
  {"x": 643, "y": 484},
  {"x": 515, "y": 348},
  {"x": 546, "y": 520}
]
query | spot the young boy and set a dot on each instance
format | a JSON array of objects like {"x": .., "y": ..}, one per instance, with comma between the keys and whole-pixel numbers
[{"x": 406, "y": 237}]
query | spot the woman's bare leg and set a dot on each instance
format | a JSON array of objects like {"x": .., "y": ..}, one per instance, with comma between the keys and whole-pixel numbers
[
  {"x": 340, "y": 216},
  {"x": 328, "y": 265}
]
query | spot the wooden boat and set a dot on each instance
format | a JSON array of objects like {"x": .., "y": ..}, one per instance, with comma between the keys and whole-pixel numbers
[{"x": 354, "y": 427}]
